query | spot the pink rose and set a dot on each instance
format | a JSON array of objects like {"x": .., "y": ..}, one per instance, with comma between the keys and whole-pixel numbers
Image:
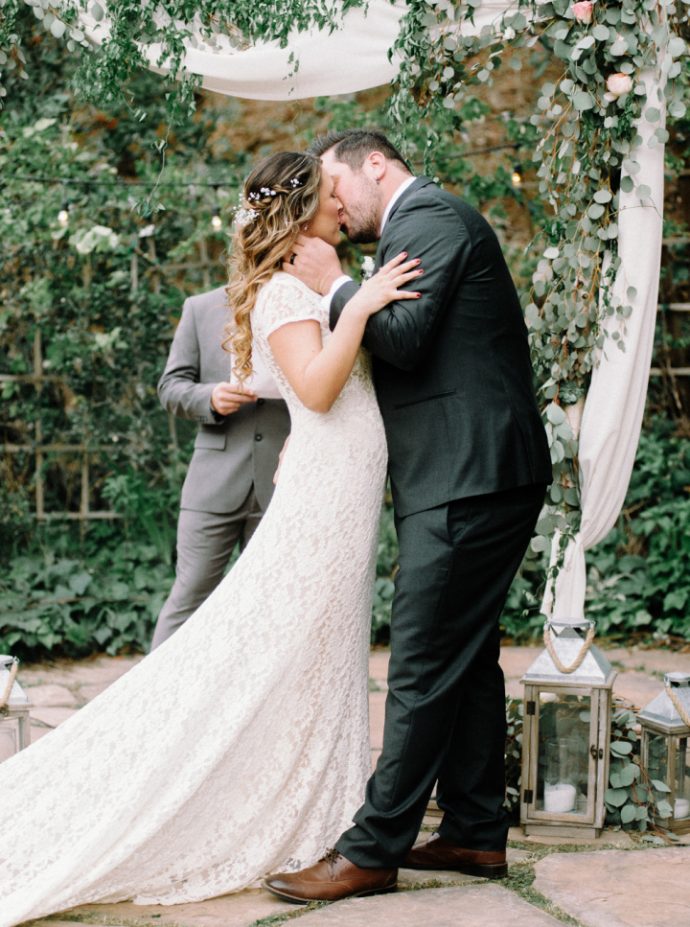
[
  {"x": 583, "y": 11},
  {"x": 618, "y": 84}
]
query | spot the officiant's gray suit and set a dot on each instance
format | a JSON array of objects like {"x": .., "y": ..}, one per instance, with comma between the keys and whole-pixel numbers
[{"x": 229, "y": 482}]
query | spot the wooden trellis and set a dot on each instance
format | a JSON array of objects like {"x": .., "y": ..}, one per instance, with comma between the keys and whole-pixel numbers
[{"x": 40, "y": 450}]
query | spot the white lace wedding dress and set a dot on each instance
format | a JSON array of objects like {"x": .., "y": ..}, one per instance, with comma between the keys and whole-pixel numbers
[{"x": 239, "y": 746}]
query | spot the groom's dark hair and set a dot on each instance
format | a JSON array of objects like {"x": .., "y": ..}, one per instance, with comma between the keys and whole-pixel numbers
[{"x": 351, "y": 146}]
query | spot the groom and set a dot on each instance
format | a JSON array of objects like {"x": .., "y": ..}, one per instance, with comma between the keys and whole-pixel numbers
[{"x": 469, "y": 464}]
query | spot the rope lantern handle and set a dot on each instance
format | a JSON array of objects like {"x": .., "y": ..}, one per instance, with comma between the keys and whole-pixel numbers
[
  {"x": 677, "y": 704},
  {"x": 5, "y": 697},
  {"x": 582, "y": 653}
]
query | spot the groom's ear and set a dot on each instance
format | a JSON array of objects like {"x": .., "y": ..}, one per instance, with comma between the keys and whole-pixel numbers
[{"x": 374, "y": 165}]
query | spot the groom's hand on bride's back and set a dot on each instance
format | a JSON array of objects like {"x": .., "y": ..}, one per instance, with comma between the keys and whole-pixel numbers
[{"x": 314, "y": 262}]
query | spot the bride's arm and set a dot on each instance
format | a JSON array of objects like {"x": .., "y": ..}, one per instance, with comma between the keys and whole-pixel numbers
[{"x": 316, "y": 371}]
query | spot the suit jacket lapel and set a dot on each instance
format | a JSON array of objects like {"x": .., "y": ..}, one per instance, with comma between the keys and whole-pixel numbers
[{"x": 417, "y": 184}]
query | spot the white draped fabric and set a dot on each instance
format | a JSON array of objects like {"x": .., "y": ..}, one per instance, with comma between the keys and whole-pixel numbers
[
  {"x": 346, "y": 60},
  {"x": 355, "y": 57}
]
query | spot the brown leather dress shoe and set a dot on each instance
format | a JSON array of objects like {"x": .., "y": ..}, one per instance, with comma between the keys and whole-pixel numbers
[
  {"x": 332, "y": 878},
  {"x": 438, "y": 853}
]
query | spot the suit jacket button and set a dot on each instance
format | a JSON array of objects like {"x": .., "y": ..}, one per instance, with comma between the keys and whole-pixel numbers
[{"x": 258, "y": 437}]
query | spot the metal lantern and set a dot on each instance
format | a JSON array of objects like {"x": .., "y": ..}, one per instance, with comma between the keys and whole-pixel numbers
[
  {"x": 15, "y": 731},
  {"x": 565, "y": 743},
  {"x": 665, "y": 724}
]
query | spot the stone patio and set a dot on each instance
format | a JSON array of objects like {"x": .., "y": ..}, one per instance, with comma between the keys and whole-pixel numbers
[{"x": 615, "y": 882}]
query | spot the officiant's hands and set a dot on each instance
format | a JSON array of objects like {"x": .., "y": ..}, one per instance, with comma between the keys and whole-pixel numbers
[
  {"x": 227, "y": 398},
  {"x": 314, "y": 262}
]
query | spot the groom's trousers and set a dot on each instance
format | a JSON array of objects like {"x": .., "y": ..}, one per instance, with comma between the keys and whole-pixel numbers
[{"x": 445, "y": 709}]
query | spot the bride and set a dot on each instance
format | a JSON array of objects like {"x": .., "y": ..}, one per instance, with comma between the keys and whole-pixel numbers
[{"x": 240, "y": 746}]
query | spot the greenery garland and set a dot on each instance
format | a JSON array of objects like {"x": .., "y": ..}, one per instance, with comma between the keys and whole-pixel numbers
[{"x": 586, "y": 126}]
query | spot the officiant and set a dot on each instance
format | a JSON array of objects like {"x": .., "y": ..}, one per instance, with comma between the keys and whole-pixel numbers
[{"x": 229, "y": 481}]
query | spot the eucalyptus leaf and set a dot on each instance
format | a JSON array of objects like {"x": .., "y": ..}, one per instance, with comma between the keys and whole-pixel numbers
[
  {"x": 676, "y": 47},
  {"x": 628, "y": 813},
  {"x": 616, "y": 797},
  {"x": 664, "y": 809},
  {"x": 601, "y": 32},
  {"x": 58, "y": 28}
]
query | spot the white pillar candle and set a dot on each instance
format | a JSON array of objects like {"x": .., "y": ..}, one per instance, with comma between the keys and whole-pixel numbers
[
  {"x": 559, "y": 798},
  {"x": 681, "y": 808}
]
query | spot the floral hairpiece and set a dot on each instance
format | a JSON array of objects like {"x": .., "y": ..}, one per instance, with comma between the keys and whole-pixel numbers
[
  {"x": 263, "y": 191},
  {"x": 244, "y": 217}
]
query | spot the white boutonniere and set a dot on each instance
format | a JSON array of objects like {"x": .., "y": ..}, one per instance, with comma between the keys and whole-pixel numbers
[{"x": 368, "y": 266}]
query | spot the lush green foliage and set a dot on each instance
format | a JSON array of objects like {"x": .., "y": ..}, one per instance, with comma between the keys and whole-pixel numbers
[
  {"x": 72, "y": 594},
  {"x": 639, "y": 578},
  {"x": 105, "y": 339},
  {"x": 60, "y": 603},
  {"x": 585, "y": 130}
]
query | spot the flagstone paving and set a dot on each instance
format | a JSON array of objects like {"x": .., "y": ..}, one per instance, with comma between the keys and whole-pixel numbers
[
  {"x": 615, "y": 888},
  {"x": 474, "y": 906},
  {"x": 612, "y": 884}
]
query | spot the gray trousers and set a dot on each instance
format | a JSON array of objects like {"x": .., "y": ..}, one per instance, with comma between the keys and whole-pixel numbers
[{"x": 205, "y": 542}]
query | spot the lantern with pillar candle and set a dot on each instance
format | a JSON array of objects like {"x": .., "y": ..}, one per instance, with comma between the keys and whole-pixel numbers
[
  {"x": 566, "y": 735},
  {"x": 15, "y": 730},
  {"x": 665, "y": 724}
]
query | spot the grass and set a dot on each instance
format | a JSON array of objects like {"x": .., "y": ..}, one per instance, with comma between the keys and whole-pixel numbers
[{"x": 520, "y": 880}]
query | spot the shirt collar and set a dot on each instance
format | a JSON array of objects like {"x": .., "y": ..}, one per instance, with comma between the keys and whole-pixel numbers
[{"x": 394, "y": 199}]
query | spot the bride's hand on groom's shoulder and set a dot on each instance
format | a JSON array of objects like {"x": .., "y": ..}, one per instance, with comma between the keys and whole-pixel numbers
[
  {"x": 314, "y": 262},
  {"x": 386, "y": 285}
]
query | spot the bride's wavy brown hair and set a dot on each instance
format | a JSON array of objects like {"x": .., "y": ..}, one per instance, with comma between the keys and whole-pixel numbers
[{"x": 280, "y": 195}]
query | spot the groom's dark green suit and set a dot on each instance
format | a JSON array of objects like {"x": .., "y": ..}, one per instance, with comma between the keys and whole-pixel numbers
[{"x": 469, "y": 463}]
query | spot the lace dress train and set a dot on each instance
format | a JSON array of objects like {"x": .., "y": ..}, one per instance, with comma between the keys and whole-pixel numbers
[{"x": 239, "y": 746}]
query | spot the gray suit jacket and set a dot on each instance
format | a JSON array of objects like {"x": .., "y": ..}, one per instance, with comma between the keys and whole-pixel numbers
[
  {"x": 452, "y": 369},
  {"x": 230, "y": 453}
]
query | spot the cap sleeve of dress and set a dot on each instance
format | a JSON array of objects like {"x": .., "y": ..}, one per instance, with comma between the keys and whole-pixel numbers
[{"x": 284, "y": 300}]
